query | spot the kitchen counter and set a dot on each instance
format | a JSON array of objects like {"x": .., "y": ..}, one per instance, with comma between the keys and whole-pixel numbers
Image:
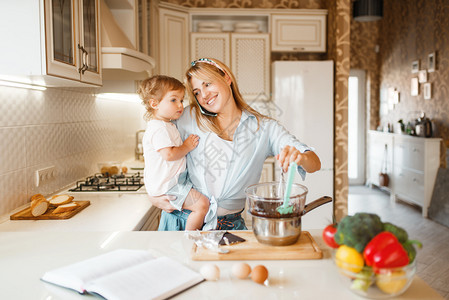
[
  {"x": 26, "y": 256},
  {"x": 108, "y": 211}
]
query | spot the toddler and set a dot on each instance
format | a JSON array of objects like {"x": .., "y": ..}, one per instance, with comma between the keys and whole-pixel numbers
[{"x": 164, "y": 151}]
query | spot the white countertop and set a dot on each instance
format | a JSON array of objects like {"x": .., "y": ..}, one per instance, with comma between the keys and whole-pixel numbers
[
  {"x": 108, "y": 211},
  {"x": 26, "y": 256}
]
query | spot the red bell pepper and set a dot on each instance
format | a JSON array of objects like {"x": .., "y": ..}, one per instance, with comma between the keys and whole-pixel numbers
[{"x": 385, "y": 251}]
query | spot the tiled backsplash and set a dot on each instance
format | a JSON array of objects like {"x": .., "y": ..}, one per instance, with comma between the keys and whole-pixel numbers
[{"x": 67, "y": 128}]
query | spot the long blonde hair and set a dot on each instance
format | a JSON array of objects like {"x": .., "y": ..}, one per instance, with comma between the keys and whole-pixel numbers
[{"x": 213, "y": 70}]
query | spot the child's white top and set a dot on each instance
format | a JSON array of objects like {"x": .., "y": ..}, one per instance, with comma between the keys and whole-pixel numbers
[{"x": 161, "y": 175}]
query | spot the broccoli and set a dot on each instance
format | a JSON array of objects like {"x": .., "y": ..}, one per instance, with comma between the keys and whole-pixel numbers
[
  {"x": 399, "y": 232},
  {"x": 357, "y": 230}
]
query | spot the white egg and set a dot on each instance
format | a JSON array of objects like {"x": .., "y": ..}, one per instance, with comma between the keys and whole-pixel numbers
[
  {"x": 241, "y": 270},
  {"x": 210, "y": 272}
]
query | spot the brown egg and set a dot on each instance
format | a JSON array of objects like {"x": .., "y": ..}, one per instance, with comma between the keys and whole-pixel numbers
[{"x": 259, "y": 274}]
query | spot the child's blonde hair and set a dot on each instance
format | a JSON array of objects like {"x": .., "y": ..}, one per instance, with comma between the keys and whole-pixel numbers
[
  {"x": 213, "y": 70},
  {"x": 155, "y": 88}
]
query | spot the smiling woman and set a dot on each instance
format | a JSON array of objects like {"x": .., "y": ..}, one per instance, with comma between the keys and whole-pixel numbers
[{"x": 234, "y": 141}]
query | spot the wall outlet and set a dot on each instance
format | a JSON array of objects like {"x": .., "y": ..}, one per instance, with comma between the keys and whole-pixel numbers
[{"x": 44, "y": 175}]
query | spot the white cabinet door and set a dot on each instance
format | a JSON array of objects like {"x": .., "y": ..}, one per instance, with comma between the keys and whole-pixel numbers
[
  {"x": 299, "y": 33},
  {"x": 250, "y": 63},
  {"x": 63, "y": 54},
  {"x": 174, "y": 43},
  {"x": 248, "y": 56},
  {"x": 210, "y": 45}
]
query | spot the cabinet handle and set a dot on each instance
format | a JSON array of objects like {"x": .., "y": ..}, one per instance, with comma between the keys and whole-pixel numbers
[
  {"x": 299, "y": 48},
  {"x": 84, "y": 65},
  {"x": 83, "y": 59}
]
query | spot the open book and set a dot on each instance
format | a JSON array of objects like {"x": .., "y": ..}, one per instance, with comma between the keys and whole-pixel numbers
[{"x": 125, "y": 274}]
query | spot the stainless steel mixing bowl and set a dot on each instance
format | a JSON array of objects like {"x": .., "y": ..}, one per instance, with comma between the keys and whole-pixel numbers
[{"x": 269, "y": 225}]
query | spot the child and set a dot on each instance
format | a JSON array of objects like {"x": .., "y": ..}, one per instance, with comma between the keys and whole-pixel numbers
[{"x": 164, "y": 152}]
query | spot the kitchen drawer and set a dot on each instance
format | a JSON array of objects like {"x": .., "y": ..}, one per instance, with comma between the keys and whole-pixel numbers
[
  {"x": 409, "y": 184},
  {"x": 409, "y": 154}
]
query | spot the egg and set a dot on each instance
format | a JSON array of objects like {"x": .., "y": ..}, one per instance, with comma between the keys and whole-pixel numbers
[
  {"x": 241, "y": 270},
  {"x": 259, "y": 274},
  {"x": 210, "y": 272}
]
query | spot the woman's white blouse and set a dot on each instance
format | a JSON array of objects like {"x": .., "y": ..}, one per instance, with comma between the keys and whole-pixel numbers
[{"x": 250, "y": 148}]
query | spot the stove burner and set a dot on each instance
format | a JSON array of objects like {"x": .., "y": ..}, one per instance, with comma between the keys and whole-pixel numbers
[{"x": 100, "y": 183}]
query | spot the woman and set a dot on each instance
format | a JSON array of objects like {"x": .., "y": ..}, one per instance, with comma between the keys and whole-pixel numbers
[{"x": 234, "y": 142}]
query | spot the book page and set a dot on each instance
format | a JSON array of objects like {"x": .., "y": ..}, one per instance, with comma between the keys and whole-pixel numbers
[
  {"x": 75, "y": 276},
  {"x": 155, "y": 279}
]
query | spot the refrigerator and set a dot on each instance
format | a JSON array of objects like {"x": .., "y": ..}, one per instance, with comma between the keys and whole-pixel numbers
[{"x": 303, "y": 98}]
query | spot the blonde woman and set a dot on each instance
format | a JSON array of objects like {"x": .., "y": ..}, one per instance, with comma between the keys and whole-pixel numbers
[{"x": 234, "y": 141}]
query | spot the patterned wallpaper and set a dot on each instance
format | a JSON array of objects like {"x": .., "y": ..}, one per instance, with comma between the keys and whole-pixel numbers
[
  {"x": 364, "y": 39},
  {"x": 411, "y": 30},
  {"x": 338, "y": 43}
]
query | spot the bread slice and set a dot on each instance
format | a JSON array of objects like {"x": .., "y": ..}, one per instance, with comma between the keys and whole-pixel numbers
[
  {"x": 39, "y": 206},
  {"x": 36, "y": 196},
  {"x": 57, "y": 200},
  {"x": 65, "y": 207}
]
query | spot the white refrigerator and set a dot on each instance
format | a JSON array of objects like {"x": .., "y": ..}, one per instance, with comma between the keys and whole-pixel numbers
[{"x": 303, "y": 97}]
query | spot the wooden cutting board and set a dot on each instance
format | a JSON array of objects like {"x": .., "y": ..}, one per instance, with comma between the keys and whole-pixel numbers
[
  {"x": 251, "y": 249},
  {"x": 25, "y": 214}
]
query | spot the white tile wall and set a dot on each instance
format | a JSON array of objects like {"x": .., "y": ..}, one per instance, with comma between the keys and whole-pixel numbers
[{"x": 67, "y": 128}]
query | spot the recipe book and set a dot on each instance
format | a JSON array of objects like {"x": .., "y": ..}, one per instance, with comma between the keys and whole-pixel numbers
[{"x": 125, "y": 274}]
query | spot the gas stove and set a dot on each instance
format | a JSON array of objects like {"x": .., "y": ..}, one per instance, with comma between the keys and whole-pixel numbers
[{"x": 114, "y": 183}]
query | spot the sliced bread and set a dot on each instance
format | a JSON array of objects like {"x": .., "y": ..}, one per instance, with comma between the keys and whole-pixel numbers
[
  {"x": 65, "y": 207},
  {"x": 39, "y": 206},
  {"x": 57, "y": 200}
]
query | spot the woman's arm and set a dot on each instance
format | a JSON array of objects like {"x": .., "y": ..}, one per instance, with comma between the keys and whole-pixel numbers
[
  {"x": 289, "y": 149},
  {"x": 308, "y": 160}
]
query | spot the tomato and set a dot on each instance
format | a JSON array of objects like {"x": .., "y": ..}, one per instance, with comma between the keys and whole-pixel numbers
[{"x": 328, "y": 236}]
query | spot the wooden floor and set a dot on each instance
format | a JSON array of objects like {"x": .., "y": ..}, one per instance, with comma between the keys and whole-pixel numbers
[{"x": 433, "y": 258}]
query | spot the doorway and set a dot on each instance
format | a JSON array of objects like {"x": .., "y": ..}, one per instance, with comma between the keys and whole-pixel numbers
[{"x": 356, "y": 127}]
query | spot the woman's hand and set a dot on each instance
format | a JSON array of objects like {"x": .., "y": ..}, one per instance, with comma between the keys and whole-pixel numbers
[
  {"x": 308, "y": 160},
  {"x": 162, "y": 203}
]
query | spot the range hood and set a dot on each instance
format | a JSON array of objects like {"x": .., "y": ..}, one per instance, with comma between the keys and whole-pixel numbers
[{"x": 120, "y": 59}]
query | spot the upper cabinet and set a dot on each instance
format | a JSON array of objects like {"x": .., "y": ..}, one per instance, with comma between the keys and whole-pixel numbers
[
  {"x": 247, "y": 54},
  {"x": 72, "y": 40},
  {"x": 300, "y": 32},
  {"x": 240, "y": 38},
  {"x": 173, "y": 41},
  {"x": 51, "y": 42}
]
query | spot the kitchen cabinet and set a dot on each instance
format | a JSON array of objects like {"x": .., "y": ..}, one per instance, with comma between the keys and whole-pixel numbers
[
  {"x": 153, "y": 219},
  {"x": 301, "y": 32},
  {"x": 173, "y": 42},
  {"x": 247, "y": 54},
  {"x": 412, "y": 165},
  {"x": 416, "y": 162},
  {"x": 51, "y": 42}
]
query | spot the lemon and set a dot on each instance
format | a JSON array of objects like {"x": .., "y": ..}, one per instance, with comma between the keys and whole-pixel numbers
[
  {"x": 349, "y": 259},
  {"x": 391, "y": 283}
]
